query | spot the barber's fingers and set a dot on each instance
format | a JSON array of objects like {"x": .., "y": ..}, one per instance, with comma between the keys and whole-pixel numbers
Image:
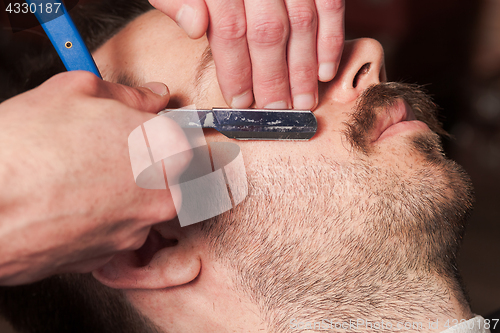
[
  {"x": 85, "y": 266},
  {"x": 152, "y": 97},
  {"x": 302, "y": 59},
  {"x": 330, "y": 37},
  {"x": 87, "y": 260},
  {"x": 190, "y": 15},
  {"x": 268, "y": 31},
  {"x": 228, "y": 41}
]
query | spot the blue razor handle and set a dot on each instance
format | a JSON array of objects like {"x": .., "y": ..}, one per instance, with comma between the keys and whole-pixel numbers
[{"x": 63, "y": 34}]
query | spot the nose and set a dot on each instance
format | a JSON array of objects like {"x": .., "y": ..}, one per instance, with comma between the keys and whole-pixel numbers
[{"x": 362, "y": 65}]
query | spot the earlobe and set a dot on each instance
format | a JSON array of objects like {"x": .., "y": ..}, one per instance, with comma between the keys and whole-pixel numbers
[{"x": 167, "y": 259}]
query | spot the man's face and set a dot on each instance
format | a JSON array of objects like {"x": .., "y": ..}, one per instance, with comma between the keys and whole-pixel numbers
[
  {"x": 370, "y": 190},
  {"x": 145, "y": 52}
]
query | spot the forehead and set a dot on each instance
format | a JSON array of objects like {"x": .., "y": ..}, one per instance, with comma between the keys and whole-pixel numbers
[{"x": 153, "y": 48}]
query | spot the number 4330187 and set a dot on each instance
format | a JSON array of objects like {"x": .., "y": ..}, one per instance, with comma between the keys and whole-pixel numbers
[{"x": 24, "y": 8}]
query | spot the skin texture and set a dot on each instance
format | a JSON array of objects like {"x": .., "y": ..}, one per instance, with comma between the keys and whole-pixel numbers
[
  {"x": 278, "y": 48},
  {"x": 52, "y": 223},
  {"x": 351, "y": 224}
]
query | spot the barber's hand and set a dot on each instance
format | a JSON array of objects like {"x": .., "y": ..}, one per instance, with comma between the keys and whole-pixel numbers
[
  {"x": 68, "y": 199},
  {"x": 283, "y": 46}
]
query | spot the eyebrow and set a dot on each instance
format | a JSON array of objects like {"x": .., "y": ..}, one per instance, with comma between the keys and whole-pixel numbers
[
  {"x": 201, "y": 76},
  {"x": 127, "y": 79}
]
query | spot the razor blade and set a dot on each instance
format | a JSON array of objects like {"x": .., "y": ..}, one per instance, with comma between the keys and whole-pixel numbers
[{"x": 249, "y": 124}]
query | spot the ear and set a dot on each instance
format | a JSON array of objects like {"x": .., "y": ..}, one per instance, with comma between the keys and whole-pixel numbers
[{"x": 168, "y": 258}]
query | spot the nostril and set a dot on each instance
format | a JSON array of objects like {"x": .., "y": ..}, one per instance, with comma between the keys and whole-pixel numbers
[{"x": 362, "y": 71}]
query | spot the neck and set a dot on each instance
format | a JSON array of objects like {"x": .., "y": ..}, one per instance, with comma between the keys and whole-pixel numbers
[
  {"x": 417, "y": 303},
  {"x": 420, "y": 310}
]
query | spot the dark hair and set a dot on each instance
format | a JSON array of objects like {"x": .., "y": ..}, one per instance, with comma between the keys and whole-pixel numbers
[
  {"x": 96, "y": 21},
  {"x": 74, "y": 303}
]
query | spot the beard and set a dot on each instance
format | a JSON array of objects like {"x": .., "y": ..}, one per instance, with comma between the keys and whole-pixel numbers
[{"x": 321, "y": 240}]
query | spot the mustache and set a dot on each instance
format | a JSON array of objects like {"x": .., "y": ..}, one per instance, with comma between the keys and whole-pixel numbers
[{"x": 374, "y": 102}]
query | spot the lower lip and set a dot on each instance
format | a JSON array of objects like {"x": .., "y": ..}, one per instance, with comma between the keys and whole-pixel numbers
[{"x": 403, "y": 126}]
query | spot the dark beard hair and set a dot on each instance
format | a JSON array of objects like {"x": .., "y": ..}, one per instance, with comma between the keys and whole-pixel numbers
[{"x": 376, "y": 98}]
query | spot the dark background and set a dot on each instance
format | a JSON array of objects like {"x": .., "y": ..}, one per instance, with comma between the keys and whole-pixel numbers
[{"x": 451, "y": 46}]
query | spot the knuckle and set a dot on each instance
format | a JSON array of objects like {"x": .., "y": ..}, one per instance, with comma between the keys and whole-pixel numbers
[
  {"x": 303, "y": 73},
  {"x": 169, "y": 213},
  {"x": 268, "y": 32},
  {"x": 273, "y": 83},
  {"x": 160, "y": 208},
  {"x": 132, "y": 241},
  {"x": 134, "y": 96},
  {"x": 333, "y": 6},
  {"x": 237, "y": 75},
  {"x": 230, "y": 28},
  {"x": 165, "y": 210},
  {"x": 331, "y": 40},
  {"x": 137, "y": 243},
  {"x": 302, "y": 18},
  {"x": 80, "y": 81},
  {"x": 128, "y": 245},
  {"x": 118, "y": 243}
]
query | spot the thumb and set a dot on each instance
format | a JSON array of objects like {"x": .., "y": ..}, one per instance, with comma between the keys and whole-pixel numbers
[
  {"x": 152, "y": 97},
  {"x": 161, "y": 99},
  {"x": 190, "y": 15}
]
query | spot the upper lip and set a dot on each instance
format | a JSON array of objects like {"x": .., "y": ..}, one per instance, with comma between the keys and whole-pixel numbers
[{"x": 398, "y": 112}]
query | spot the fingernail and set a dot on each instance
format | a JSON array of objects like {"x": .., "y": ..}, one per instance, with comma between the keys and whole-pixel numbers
[
  {"x": 326, "y": 71},
  {"x": 304, "y": 101},
  {"x": 186, "y": 18},
  {"x": 277, "y": 105},
  {"x": 157, "y": 87},
  {"x": 243, "y": 100}
]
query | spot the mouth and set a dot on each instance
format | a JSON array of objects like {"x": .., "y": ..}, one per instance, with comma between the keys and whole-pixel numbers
[{"x": 398, "y": 118}]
